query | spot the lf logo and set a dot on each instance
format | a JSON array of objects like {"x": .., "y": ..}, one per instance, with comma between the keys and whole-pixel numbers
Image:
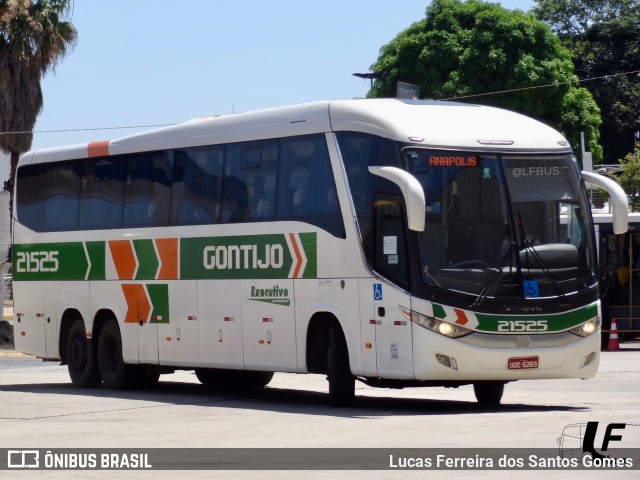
[
  {"x": 580, "y": 438},
  {"x": 23, "y": 459},
  {"x": 590, "y": 436}
]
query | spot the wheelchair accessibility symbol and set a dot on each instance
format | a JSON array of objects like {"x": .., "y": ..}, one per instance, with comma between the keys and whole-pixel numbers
[
  {"x": 531, "y": 289},
  {"x": 377, "y": 291}
]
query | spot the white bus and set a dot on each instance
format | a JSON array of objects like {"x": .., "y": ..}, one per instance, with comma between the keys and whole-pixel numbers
[{"x": 399, "y": 243}]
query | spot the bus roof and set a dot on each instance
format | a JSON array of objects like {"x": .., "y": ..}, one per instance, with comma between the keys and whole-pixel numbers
[{"x": 428, "y": 123}]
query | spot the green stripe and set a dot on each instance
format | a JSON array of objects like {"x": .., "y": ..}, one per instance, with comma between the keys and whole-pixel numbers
[
  {"x": 147, "y": 259},
  {"x": 50, "y": 261},
  {"x": 236, "y": 257},
  {"x": 310, "y": 247},
  {"x": 159, "y": 296},
  {"x": 556, "y": 322},
  {"x": 438, "y": 311},
  {"x": 96, "y": 251}
]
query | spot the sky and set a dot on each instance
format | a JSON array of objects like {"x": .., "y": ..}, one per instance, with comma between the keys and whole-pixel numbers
[{"x": 157, "y": 62}]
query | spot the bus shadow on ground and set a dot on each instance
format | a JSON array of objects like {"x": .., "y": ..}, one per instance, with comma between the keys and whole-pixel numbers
[{"x": 286, "y": 400}]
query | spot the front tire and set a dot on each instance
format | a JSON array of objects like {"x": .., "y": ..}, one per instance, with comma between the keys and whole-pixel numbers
[
  {"x": 342, "y": 383},
  {"x": 82, "y": 362},
  {"x": 116, "y": 375},
  {"x": 488, "y": 393}
]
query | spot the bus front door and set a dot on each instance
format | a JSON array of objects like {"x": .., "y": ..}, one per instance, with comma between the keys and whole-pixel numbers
[{"x": 394, "y": 349}]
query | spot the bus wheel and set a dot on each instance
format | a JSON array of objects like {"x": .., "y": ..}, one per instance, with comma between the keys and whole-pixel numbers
[
  {"x": 211, "y": 377},
  {"x": 148, "y": 377},
  {"x": 115, "y": 373},
  {"x": 81, "y": 358},
  {"x": 342, "y": 383},
  {"x": 256, "y": 379},
  {"x": 488, "y": 393}
]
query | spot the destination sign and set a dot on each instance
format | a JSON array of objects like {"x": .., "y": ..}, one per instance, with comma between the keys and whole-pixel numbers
[{"x": 452, "y": 160}]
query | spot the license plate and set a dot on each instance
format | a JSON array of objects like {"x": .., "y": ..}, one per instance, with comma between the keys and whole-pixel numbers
[{"x": 523, "y": 363}]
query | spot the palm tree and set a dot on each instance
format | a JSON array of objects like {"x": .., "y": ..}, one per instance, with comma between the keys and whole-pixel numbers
[{"x": 33, "y": 38}]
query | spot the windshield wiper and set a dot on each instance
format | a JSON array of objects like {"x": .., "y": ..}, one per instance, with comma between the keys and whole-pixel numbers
[
  {"x": 494, "y": 277},
  {"x": 528, "y": 248}
]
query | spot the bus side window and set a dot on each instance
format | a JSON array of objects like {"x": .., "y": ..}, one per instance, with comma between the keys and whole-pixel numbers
[
  {"x": 147, "y": 191},
  {"x": 390, "y": 243},
  {"x": 248, "y": 192},
  {"x": 307, "y": 191},
  {"x": 359, "y": 151},
  {"x": 31, "y": 196},
  {"x": 101, "y": 194},
  {"x": 196, "y": 189}
]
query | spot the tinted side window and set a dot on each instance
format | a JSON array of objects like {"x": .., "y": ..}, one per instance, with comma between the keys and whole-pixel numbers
[
  {"x": 359, "y": 151},
  {"x": 102, "y": 194},
  {"x": 196, "y": 185},
  {"x": 31, "y": 195},
  {"x": 63, "y": 187},
  {"x": 47, "y": 198},
  {"x": 288, "y": 179},
  {"x": 307, "y": 190},
  {"x": 147, "y": 190},
  {"x": 249, "y": 190}
]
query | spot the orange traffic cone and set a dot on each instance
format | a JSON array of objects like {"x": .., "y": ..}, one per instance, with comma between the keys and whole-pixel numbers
[{"x": 614, "y": 343}]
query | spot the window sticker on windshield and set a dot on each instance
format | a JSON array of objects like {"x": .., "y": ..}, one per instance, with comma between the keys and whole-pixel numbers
[
  {"x": 531, "y": 289},
  {"x": 390, "y": 245}
]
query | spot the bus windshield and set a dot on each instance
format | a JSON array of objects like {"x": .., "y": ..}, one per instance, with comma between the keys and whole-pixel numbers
[{"x": 503, "y": 225}]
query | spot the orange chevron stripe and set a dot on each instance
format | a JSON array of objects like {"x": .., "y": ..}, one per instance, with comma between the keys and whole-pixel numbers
[
  {"x": 461, "y": 317},
  {"x": 168, "y": 252},
  {"x": 138, "y": 306},
  {"x": 98, "y": 149},
  {"x": 124, "y": 258},
  {"x": 296, "y": 249}
]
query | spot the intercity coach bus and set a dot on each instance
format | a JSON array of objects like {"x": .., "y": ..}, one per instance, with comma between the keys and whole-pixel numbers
[{"x": 398, "y": 243}]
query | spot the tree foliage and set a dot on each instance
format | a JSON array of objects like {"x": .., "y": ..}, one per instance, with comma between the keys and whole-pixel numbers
[
  {"x": 629, "y": 177},
  {"x": 604, "y": 38},
  {"x": 33, "y": 38},
  {"x": 464, "y": 49}
]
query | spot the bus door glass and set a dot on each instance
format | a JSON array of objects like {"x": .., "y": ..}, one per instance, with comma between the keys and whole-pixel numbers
[{"x": 393, "y": 325}]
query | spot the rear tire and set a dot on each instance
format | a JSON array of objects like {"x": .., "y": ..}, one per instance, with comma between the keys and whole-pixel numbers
[
  {"x": 82, "y": 362},
  {"x": 148, "y": 377},
  {"x": 214, "y": 377},
  {"x": 488, "y": 393},
  {"x": 342, "y": 383},
  {"x": 116, "y": 375}
]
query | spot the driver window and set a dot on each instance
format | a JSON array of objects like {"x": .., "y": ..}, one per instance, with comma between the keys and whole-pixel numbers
[{"x": 390, "y": 243}]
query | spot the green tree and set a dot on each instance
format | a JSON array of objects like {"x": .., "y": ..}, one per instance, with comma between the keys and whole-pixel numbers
[
  {"x": 629, "y": 177},
  {"x": 34, "y": 36},
  {"x": 604, "y": 38},
  {"x": 465, "y": 49}
]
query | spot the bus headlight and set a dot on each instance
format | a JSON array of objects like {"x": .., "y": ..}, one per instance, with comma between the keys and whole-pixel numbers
[
  {"x": 450, "y": 330},
  {"x": 587, "y": 328}
]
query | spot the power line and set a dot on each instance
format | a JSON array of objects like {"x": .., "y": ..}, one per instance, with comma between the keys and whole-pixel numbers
[
  {"x": 461, "y": 97},
  {"x": 66, "y": 130},
  {"x": 557, "y": 84}
]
